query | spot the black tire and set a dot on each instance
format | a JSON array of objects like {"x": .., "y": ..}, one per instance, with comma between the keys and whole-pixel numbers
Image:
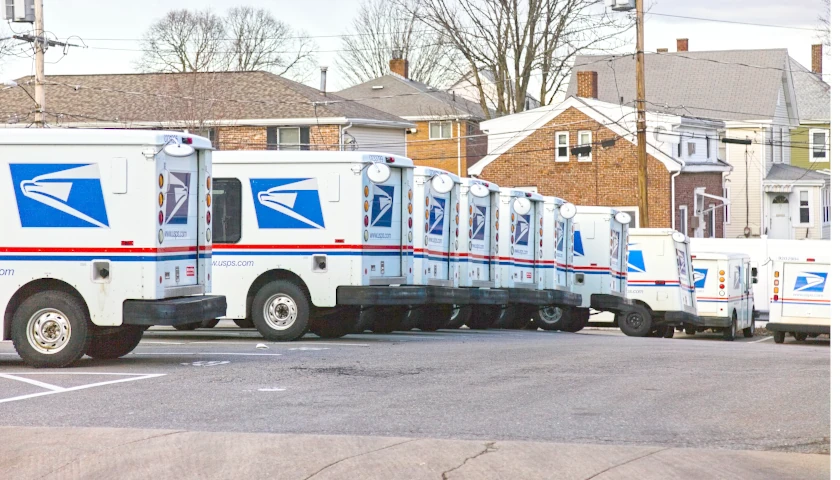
[
  {"x": 209, "y": 323},
  {"x": 575, "y": 320},
  {"x": 280, "y": 311},
  {"x": 460, "y": 314},
  {"x": 187, "y": 327},
  {"x": 365, "y": 320},
  {"x": 690, "y": 330},
  {"x": 58, "y": 321},
  {"x": 800, "y": 336},
  {"x": 335, "y": 324},
  {"x": 749, "y": 332},
  {"x": 433, "y": 317},
  {"x": 779, "y": 337},
  {"x": 115, "y": 344},
  {"x": 730, "y": 332},
  {"x": 636, "y": 323},
  {"x": 244, "y": 323},
  {"x": 669, "y": 331},
  {"x": 412, "y": 318},
  {"x": 483, "y": 316},
  {"x": 386, "y": 319},
  {"x": 524, "y": 318},
  {"x": 550, "y": 318},
  {"x": 507, "y": 317}
]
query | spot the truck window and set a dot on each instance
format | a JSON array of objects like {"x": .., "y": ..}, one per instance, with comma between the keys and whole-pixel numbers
[{"x": 227, "y": 210}]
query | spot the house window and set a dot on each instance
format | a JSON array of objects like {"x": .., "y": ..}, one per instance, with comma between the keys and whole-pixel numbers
[
  {"x": 287, "y": 138},
  {"x": 440, "y": 130},
  {"x": 561, "y": 147},
  {"x": 227, "y": 210},
  {"x": 726, "y": 207},
  {"x": 692, "y": 148},
  {"x": 584, "y": 140},
  {"x": 826, "y": 205},
  {"x": 712, "y": 221},
  {"x": 819, "y": 145},
  {"x": 804, "y": 207},
  {"x": 682, "y": 220}
]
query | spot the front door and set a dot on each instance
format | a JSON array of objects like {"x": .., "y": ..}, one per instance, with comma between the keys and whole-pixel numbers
[{"x": 780, "y": 217}]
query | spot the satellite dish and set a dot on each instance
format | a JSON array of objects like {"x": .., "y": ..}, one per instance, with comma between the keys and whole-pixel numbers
[
  {"x": 522, "y": 206},
  {"x": 378, "y": 172},
  {"x": 442, "y": 183},
  {"x": 178, "y": 150},
  {"x": 568, "y": 210},
  {"x": 623, "y": 218},
  {"x": 479, "y": 190}
]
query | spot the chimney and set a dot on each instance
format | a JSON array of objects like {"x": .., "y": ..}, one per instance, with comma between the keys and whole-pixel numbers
[
  {"x": 661, "y": 50},
  {"x": 816, "y": 59},
  {"x": 587, "y": 84},
  {"x": 398, "y": 64},
  {"x": 323, "y": 80},
  {"x": 682, "y": 44}
]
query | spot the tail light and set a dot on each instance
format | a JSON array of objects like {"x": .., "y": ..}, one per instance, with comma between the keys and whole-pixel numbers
[
  {"x": 775, "y": 289},
  {"x": 775, "y": 298},
  {"x": 776, "y": 274}
]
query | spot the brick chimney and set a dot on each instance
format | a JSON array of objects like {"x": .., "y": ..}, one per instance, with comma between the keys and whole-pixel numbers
[
  {"x": 816, "y": 59},
  {"x": 682, "y": 44},
  {"x": 661, "y": 50},
  {"x": 398, "y": 64},
  {"x": 587, "y": 84}
]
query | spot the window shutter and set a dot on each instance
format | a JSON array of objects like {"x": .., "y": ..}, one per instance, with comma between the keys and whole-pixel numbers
[
  {"x": 271, "y": 138},
  {"x": 304, "y": 138}
]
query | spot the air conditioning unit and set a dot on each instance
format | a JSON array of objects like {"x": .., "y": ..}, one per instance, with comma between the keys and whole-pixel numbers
[
  {"x": 695, "y": 222},
  {"x": 21, "y": 11},
  {"x": 620, "y": 5}
]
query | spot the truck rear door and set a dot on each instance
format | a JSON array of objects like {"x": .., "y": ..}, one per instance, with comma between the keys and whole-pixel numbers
[
  {"x": 684, "y": 271},
  {"x": 709, "y": 301},
  {"x": 178, "y": 221},
  {"x": 382, "y": 249},
  {"x": 805, "y": 290},
  {"x": 438, "y": 220},
  {"x": 522, "y": 246},
  {"x": 618, "y": 258},
  {"x": 562, "y": 251},
  {"x": 480, "y": 241}
]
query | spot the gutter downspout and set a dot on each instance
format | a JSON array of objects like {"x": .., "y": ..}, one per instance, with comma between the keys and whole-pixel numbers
[
  {"x": 341, "y": 134},
  {"x": 673, "y": 200},
  {"x": 459, "y": 149}
]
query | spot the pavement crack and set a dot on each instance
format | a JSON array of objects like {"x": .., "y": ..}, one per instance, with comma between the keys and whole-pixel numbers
[
  {"x": 325, "y": 467},
  {"x": 489, "y": 447},
  {"x": 97, "y": 452},
  {"x": 625, "y": 463}
]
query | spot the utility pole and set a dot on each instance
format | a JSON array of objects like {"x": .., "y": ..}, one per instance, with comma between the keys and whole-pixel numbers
[
  {"x": 40, "y": 44},
  {"x": 641, "y": 126}
]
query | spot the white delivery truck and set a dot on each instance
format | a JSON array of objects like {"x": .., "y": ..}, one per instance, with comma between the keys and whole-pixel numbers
[
  {"x": 659, "y": 282},
  {"x": 306, "y": 239},
  {"x": 599, "y": 269},
  {"x": 475, "y": 275},
  {"x": 801, "y": 300},
  {"x": 723, "y": 285},
  {"x": 515, "y": 263},
  {"x": 105, "y": 233},
  {"x": 437, "y": 237},
  {"x": 556, "y": 258}
]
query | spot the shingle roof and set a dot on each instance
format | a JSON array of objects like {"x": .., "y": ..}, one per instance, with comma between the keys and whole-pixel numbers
[
  {"x": 724, "y": 85},
  {"x": 160, "y": 98},
  {"x": 789, "y": 173},
  {"x": 407, "y": 98},
  {"x": 813, "y": 95}
]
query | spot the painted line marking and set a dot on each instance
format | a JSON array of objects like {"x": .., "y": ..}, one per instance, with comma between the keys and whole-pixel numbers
[
  {"x": 160, "y": 343},
  {"x": 30, "y": 381},
  {"x": 211, "y": 363},
  {"x": 133, "y": 377},
  {"x": 762, "y": 340},
  {"x": 271, "y": 390},
  {"x": 210, "y": 353},
  {"x": 309, "y": 348}
]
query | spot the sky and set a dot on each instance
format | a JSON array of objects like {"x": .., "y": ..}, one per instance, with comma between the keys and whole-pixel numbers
[{"x": 117, "y": 25}]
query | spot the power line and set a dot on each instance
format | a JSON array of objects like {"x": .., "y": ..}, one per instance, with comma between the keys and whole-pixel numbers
[{"x": 734, "y": 22}]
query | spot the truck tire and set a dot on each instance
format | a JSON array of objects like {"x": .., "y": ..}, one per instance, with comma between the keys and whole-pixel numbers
[
  {"x": 690, "y": 329},
  {"x": 365, "y": 320},
  {"x": 779, "y": 337},
  {"x": 51, "y": 329},
  {"x": 635, "y": 323},
  {"x": 800, "y": 337},
  {"x": 411, "y": 319},
  {"x": 669, "y": 331},
  {"x": 209, "y": 323},
  {"x": 244, "y": 323},
  {"x": 730, "y": 332},
  {"x": 750, "y": 331},
  {"x": 187, "y": 327},
  {"x": 280, "y": 311},
  {"x": 116, "y": 343},
  {"x": 386, "y": 319},
  {"x": 575, "y": 320},
  {"x": 460, "y": 314},
  {"x": 483, "y": 316},
  {"x": 335, "y": 324},
  {"x": 434, "y": 317},
  {"x": 524, "y": 319},
  {"x": 507, "y": 317},
  {"x": 549, "y": 318}
]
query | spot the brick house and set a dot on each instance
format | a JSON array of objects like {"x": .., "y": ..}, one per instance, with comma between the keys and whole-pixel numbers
[
  {"x": 447, "y": 134},
  {"x": 584, "y": 150},
  {"x": 236, "y": 110}
]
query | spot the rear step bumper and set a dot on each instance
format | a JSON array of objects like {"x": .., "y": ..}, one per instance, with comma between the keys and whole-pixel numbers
[
  {"x": 488, "y": 296},
  {"x": 676, "y": 318},
  {"x": 798, "y": 328},
  {"x": 174, "y": 311},
  {"x": 544, "y": 298},
  {"x": 370, "y": 296},
  {"x": 610, "y": 303},
  {"x": 448, "y": 295}
]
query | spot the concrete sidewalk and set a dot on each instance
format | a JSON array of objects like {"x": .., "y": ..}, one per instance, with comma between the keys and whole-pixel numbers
[{"x": 106, "y": 453}]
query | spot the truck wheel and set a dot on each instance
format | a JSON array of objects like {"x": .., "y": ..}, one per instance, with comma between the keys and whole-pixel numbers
[
  {"x": 483, "y": 316},
  {"x": 244, "y": 323},
  {"x": 507, "y": 316},
  {"x": 365, "y": 321},
  {"x": 549, "y": 318},
  {"x": 281, "y": 311},
  {"x": 669, "y": 331},
  {"x": 335, "y": 324},
  {"x": 690, "y": 330},
  {"x": 459, "y": 317},
  {"x": 187, "y": 327},
  {"x": 575, "y": 320},
  {"x": 210, "y": 323},
  {"x": 51, "y": 329},
  {"x": 115, "y": 344},
  {"x": 386, "y": 319},
  {"x": 779, "y": 337},
  {"x": 750, "y": 331},
  {"x": 412, "y": 318},
  {"x": 523, "y": 320},
  {"x": 636, "y": 323},
  {"x": 800, "y": 337},
  {"x": 730, "y": 332},
  {"x": 434, "y": 317}
]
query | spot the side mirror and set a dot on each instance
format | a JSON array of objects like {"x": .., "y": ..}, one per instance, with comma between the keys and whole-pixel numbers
[
  {"x": 623, "y": 218},
  {"x": 479, "y": 190},
  {"x": 442, "y": 183},
  {"x": 378, "y": 172},
  {"x": 568, "y": 210},
  {"x": 522, "y": 206}
]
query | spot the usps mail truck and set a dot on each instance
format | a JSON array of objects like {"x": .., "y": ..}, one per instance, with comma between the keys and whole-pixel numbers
[
  {"x": 437, "y": 237},
  {"x": 555, "y": 263},
  {"x": 306, "y": 239},
  {"x": 599, "y": 244},
  {"x": 723, "y": 284},
  {"x": 516, "y": 262},
  {"x": 659, "y": 282},
  {"x": 105, "y": 233},
  {"x": 801, "y": 300},
  {"x": 476, "y": 212}
]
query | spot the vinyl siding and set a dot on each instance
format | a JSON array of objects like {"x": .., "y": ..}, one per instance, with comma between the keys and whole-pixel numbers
[
  {"x": 800, "y": 147},
  {"x": 385, "y": 140}
]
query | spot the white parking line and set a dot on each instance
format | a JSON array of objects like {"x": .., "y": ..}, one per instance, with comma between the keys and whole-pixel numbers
[
  {"x": 210, "y": 353},
  {"x": 30, "y": 381},
  {"x": 762, "y": 340},
  {"x": 53, "y": 389}
]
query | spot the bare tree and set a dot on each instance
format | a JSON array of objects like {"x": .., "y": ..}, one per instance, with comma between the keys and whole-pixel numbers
[
  {"x": 825, "y": 24},
  {"x": 259, "y": 41},
  {"x": 523, "y": 43},
  {"x": 184, "y": 41},
  {"x": 384, "y": 27}
]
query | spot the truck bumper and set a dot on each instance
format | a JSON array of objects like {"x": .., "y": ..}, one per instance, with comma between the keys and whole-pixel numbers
[
  {"x": 544, "y": 298},
  {"x": 448, "y": 295},
  {"x": 798, "y": 327},
  {"x": 713, "y": 322},
  {"x": 371, "y": 296},
  {"x": 676, "y": 318},
  {"x": 174, "y": 311},
  {"x": 610, "y": 303},
  {"x": 488, "y": 296}
]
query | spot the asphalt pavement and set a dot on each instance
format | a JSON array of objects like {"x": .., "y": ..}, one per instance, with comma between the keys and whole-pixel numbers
[{"x": 746, "y": 401}]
